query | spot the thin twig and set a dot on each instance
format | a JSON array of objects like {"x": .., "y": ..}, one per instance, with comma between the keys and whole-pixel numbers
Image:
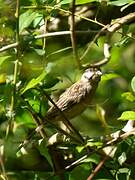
[
  {"x": 107, "y": 56},
  {"x": 110, "y": 142},
  {"x": 111, "y": 29},
  {"x": 3, "y": 171},
  {"x": 96, "y": 170},
  {"x": 37, "y": 120},
  {"x": 65, "y": 120},
  {"x": 13, "y": 96},
  {"x": 115, "y": 140},
  {"x": 65, "y": 11},
  {"x": 63, "y": 33},
  {"x": 73, "y": 35},
  {"x": 45, "y": 35},
  {"x": 92, "y": 42},
  {"x": 121, "y": 21},
  {"x": 40, "y": 125},
  {"x": 10, "y": 46}
]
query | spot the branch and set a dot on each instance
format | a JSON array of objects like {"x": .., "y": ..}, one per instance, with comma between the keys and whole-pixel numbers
[
  {"x": 121, "y": 21},
  {"x": 65, "y": 120},
  {"x": 73, "y": 35},
  {"x": 117, "y": 24},
  {"x": 10, "y": 46},
  {"x": 107, "y": 56},
  {"x": 51, "y": 34},
  {"x": 64, "y": 11},
  {"x": 99, "y": 166}
]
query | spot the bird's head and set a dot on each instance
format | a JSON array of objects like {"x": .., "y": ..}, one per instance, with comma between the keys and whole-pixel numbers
[{"x": 91, "y": 74}]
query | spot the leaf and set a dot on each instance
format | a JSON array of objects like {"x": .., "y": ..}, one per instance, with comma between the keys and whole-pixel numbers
[
  {"x": 84, "y": 1},
  {"x": 127, "y": 115},
  {"x": 129, "y": 96},
  {"x": 119, "y": 2},
  {"x": 40, "y": 52},
  {"x": 133, "y": 83},
  {"x": 26, "y": 19},
  {"x": 77, "y": 1},
  {"x": 3, "y": 78},
  {"x": 122, "y": 158},
  {"x": 106, "y": 77},
  {"x": 31, "y": 84},
  {"x": 80, "y": 148},
  {"x": 3, "y": 58},
  {"x": 50, "y": 80},
  {"x": 44, "y": 151},
  {"x": 101, "y": 115},
  {"x": 80, "y": 172}
]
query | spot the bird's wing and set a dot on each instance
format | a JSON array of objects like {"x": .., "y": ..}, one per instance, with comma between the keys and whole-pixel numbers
[{"x": 70, "y": 97}]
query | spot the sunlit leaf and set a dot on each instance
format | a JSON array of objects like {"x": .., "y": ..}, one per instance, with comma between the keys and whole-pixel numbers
[
  {"x": 122, "y": 158},
  {"x": 2, "y": 78},
  {"x": 119, "y": 2},
  {"x": 77, "y": 1},
  {"x": 84, "y": 1},
  {"x": 129, "y": 96},
  {"x": 127, "y": 115},
  {"x": 101, "y": 115},
  {"x": 133, "y": 83},
  {"x": 80, "y": 148},
  {"x": 34, "y": 82},
  {"x": 107, "y": 77}
]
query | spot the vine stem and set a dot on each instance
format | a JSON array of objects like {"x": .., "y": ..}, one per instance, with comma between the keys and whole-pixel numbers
[
  {"x": 16, "y": 63},
  {"x": 73, "y": 35}
]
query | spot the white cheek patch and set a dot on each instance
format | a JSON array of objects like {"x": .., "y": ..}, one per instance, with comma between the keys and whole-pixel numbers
[{"x": 89, "y": 74}]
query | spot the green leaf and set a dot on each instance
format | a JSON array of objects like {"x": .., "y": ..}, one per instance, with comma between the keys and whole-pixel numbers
[
  {"x": 122, "y": 158},
  {"x": 133, "y": 83},
  {"x": 80, "y": 172},
  {"x": 101, "y": 115},
  {"x": 129, "y": 96},
  {"x": 50, "y": 80},
  {"x": 119, "y": 2},
  {"x": 44, "y": 151},
  {"x": 107, "y": 77},
  {"x": 77, "y": 1},
  {"x": 3, "y": 58},
  {"x": 24, "y": 117},
  {"x": 80, "y": 148},
  {"x": 84, "y": 1},
  {"x": 40, "y": 52},
  {"x": 31, "y": 84},
  {"x": 3, "y": 78},
  {"x": 127, "y": 115},
  {"x": 26, "y": 19}
]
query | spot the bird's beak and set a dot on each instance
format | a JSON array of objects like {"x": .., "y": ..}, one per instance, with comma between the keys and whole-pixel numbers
[{"x": 99, "y": 73}]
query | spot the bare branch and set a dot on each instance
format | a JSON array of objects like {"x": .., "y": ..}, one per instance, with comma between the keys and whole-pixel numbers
[
  {"x": 51, "y": 34},
  {"x": 10, "y": 46},
  {"x": 73, "y": 35},
  {"x": 121, "y": 21}
]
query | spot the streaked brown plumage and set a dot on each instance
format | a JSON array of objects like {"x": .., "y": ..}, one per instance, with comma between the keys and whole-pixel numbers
[{"x": 77, "y": 97}]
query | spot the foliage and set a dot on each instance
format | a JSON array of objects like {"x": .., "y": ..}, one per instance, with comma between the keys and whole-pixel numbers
[{"x": 37, "y": 61}]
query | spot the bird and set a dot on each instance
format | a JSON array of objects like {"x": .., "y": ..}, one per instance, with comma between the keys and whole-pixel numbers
[{"x": 76, "y": 98}]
